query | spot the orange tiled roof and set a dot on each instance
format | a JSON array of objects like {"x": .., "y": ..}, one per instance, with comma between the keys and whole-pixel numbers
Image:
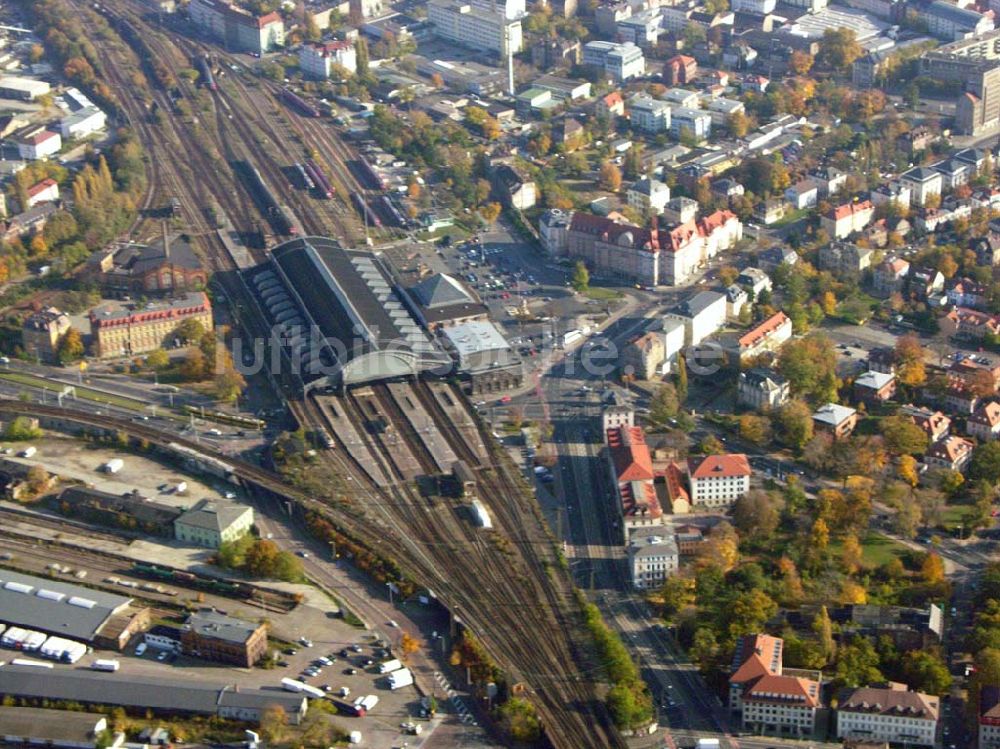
[{"x": 711, "y": 466}]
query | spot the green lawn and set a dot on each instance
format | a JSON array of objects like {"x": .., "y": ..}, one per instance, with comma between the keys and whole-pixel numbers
[
  {"x": 876, "y": 549},
  {"x": 955, "y": 515},
  {"x": 600, "y": 294}
]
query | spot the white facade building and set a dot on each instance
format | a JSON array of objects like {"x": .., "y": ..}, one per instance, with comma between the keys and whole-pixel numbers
[
  {"x": 652, "y": 556},
  {"x": 476, "y": 27},
  {"x": 38, "y": 143},
  {"x": 702, "y": 315},
  {"x": 648, "y": 195},
  {"x": 891, "y": 714},
  {"x": 82, "y": 123},
  {"x": 620, "y": 61},
  {"x": 648, "y": 114},
  {"x": 695, "y": 122},
  {"x": 757, "y": 7},
  {"x": 718, "y": 480},
  {"x": 318, "y": 60}
]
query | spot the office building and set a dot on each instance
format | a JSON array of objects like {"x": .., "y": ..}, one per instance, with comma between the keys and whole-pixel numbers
[
  {"x": 475, "y": 26},
  {"x": 238, "y": 29},
  {"x": 216, "y": 637},
  {"x": 718, "y": 480},
  {"x": 211, "y": 523},
  {"x": 652, "y": 556},
  {"x": 619, "y": 61}
]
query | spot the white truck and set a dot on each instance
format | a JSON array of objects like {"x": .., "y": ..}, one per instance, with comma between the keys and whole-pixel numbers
[
  {"x": 366, "y": 703},
  {"x": 291, "y": 685},
  {"x": 707, "y": 744},
  {"x": 29, "y": 451},
  {"x": 400, "y": 679},
  {"x": 114, "y": 465},
  {"x": 387, "y": 667},
  {"x": 181, "y": 487},
  {"x": 105, "y": 664}
]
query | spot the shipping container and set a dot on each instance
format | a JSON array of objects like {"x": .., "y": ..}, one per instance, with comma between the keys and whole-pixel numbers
[
  {"x": 400, "y": 679},
  {"x": 291, "y": 685},
  {"x": 105, "y": 664},
  {"x": 29, "y": 662},
  {"x": 114, "y": 465},
  {"x": 389, "y": 666}
]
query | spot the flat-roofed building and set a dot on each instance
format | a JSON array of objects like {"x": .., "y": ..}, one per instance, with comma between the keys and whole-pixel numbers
[
  {"x": 320, "y": 60},
  {"x": 238, "y": 29},
  {"x": 35, "y": 726},
  {"x": 475, "y": 27},
  {"x": 26, "y": 89},
  {"x": 482, "y": 356}
]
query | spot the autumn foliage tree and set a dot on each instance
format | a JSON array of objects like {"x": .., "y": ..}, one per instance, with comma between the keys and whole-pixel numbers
[{"x": 610, "y": 177}]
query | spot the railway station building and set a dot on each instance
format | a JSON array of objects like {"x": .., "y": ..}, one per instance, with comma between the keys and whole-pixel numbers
[
  {"x": 484, "y": 358},
  {"x": 339, "y": 317}
]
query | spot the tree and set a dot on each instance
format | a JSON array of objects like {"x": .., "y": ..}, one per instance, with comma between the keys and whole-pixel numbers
[
  {"x": 738, "y": 124},
  {"x": 518, "y": 719},
  {"x": 851, "y": 554},
  {"x": 906, "y": 469},
  {"x": 20, "y": 429},
  {"x": 677, "y": 594},
  {"x": 755, "y": 429},
  {"x": 801, "y": 62},
  {"x": 857, "y": 663},
  {"x": 932, "y": 568},
  {"x": 490, "y": 213},
  {"x": 664, "y": 403},
  {"x": 193, "y": 368},
  {"x": 71, "y": 346},
  {"x": 361, "y": 50},
  {"x": 581, "y": 277},
  {"x": 902, "y": 436},
  {"x": 261, "y": 558},
  {"x": 925, "y": 672},
  {"x": 229, "y": 384},
  {"x": 681, "y": 379},
  {"x": 704, "y": 647},
  {"x": 910, "y": 356},
  {"x": 190, "y": 330},
  {"x": 810, "y": 365},
  {"x": 985, "y": 464},
  {"x": 750, "y": 612},
  {"x": 756, "y": 515},
  {"x": 37, "y": 479},
  {"x": 409, "y": 645},
  {"x": 312, "y": 30},
  {"x": 795, "y": 424},
  {"x": 823, "y": 628},
  {"x": 273, "y": 725},
  {"x": 610, "y": 177},
  {"x": 839, "y": 48},
  {"x": 158, "y": 359}
]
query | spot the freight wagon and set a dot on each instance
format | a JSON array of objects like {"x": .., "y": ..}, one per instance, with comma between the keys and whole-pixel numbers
[{"x": 299, "y": 104}]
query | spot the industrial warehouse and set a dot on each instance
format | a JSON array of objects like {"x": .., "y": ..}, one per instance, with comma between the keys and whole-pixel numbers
[
  {"x": 34, "y": 610},
  {"x": 162, "y": 696}
]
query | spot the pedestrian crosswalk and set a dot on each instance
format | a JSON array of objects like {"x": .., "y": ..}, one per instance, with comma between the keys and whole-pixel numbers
[{"x": 455, "y": 700}]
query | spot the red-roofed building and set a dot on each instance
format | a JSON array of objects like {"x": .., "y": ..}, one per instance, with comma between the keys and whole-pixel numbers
[
  {"x": 46, "y": 191},
  {"x": 239, "y": 29},
  {"x": 756, "y": 656},
  {"x": 718, "y": 480},
  {"x": 768, "y": 336},
  {"x": 934, "y": 423},
  {"x": 631, "y": 465},
  {"x": 36, "y": 142},
  {"x": 781, "y": 706},
  {"x": 952, "y": 453},
  {"x": 613, "y": 104},
  {"x": 846, "y": 219},
  {"x": 677, "y": 493},
  {"x": 969, "y": 324},
  {"x": 984, "y": 424},
  {"x": 622, "y": 250},
  {"x": 756, "y": 83},
  {"x": 680, "y": 70},
  {"x": 318, "y": 60}
]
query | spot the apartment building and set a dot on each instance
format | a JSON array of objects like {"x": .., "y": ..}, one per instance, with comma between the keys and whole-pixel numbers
[
  {"x": 702, "y": 315},
  {"x": 620, "y": 61},
  {"x": 718, "y": 480},
  {"x": 970, "y": 324},
  {"x": 125, "y": 331},
  {"x": 642, "y": 28},
  {"x": 989, "y": 717},
  {"x": 476, "y": 27},
  {"x": 762, "y": 388},
  {"x": 648, "y": 114},
  {"x": 952, "y": 453},
  {"x": 874, "y": 387},
  {"x": 652, "y": 555},
  {"x": 238, "y": 29},
  {"x": 951, "y": 22},
  {"x": 648, "y": 196},
  {"x": 934, "y": 423},
  {"x": 621, "y": 250},
  {"x": 924, "y": 183},
  {"x": 41, "y": 333},
  {"x": 680, "y": 70},
  {"x": 846, "y": 219},
  {"x": 694, "y": 123},
  {"x": 320, "y": 60},
  {"x": 892, "y": 714},
  {"x": 645, "y": 355},
  {"x": 768, "y": 336},
  {"x": 890, "y": 276},
  {"x": 984, "y": 424}
]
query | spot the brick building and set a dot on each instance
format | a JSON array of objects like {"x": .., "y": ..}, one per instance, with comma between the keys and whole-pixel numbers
[{"x": 217, "y": 637}]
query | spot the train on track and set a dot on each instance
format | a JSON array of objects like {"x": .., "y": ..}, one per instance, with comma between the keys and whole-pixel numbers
[
  {"x": 390, "y": 212},
  {"x": 370, "y": 217},
  {"x": 369, "y": 175},
  {"x": 307, "y": 182},
  {"x": 299, "y": 104},
  {"x": 323, "y": 186},
  {"x": 207, "y": 79},
  {"x": 280, "y": 215},
  {"x": 227, "y": 588}
]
